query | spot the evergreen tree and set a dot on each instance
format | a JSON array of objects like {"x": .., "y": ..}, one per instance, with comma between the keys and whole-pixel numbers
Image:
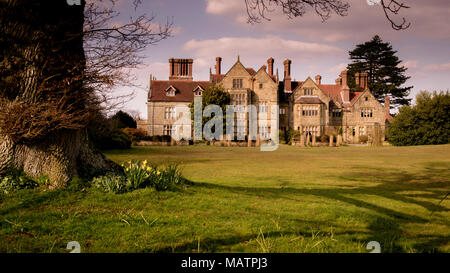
[{"x": 386, "y": 76}]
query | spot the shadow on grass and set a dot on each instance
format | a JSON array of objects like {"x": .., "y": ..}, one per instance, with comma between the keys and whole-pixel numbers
[{"x": 432, "y": 179}]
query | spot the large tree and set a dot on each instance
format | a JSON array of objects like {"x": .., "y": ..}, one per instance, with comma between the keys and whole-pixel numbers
[
  {"x": 386, "y": 75},
  {"x": 55, "y": 61}
]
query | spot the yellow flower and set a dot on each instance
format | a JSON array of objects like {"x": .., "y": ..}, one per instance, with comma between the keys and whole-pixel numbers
[
  {"x": 149, "y": 168},
  {"x": 145, "y": 162},
  {"x": 123, "y": 165},
  {"x": 158, "y": 173},
  {"x": 126, "y": 169}
]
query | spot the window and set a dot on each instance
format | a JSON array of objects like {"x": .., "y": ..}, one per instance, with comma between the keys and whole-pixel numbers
[
  {"x": 169, "y": 113},
  {"x": 237, "y": 83},
  {"x": 263, "y": 107},
  {"x": 366, "y": 98},
  {"x": 170, "y": 91},
  {"x": 198, "y": 93},
  {"x": 366, "y": 113},
  {"x": 354, "y": 131},
  {"x": 264, "y": 132},
  {"x": 311, "y": 130},
  {"x": 309, "y": 91},
  {"x": 362, "y": 131},
  {"x": 167, "y": 130},
  {"x": 282, "y": 111},
  {"x": 336, "y": 113},
  {"x": 260, "y": 86},
  {"x": 310, "y": 111}
]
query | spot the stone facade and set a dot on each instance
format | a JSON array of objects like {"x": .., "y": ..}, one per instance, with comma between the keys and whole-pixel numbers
[{"x": 313, "y": 108}]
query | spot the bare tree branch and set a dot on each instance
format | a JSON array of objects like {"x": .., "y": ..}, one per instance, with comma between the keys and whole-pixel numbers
[{"x": 258, "y": 9}]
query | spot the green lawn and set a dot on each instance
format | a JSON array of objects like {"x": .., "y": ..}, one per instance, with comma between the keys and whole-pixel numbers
[{"x": 244, "y": 200}]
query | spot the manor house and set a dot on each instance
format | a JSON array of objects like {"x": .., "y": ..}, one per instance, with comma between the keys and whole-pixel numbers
[{"x": 309, "y": 106}]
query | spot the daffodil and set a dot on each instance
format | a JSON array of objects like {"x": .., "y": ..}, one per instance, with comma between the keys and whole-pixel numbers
[
  {"x": 126, "y": 169},
  {"x": 158, "y": 173},
  {"x": 149, "y": 169}
]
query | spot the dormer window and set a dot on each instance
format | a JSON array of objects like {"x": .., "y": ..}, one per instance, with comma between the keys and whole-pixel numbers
[
  {"x": 170, "y": 91},
  {"x": 198, "y": 91},
  {"x": 237, "y": 83}
]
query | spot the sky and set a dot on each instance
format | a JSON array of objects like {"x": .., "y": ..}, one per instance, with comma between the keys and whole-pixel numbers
[{"x": 205, "y": 29}]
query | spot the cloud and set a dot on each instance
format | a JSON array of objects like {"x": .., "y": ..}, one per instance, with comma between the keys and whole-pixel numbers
[
  {"x": 437, "y": 67},
  {"x": 259, "y": 48},
  {"x": 411, "y": 64}
]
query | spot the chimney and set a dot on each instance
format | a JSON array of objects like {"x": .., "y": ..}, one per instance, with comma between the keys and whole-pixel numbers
[
  {"x": 218, "y": 65},
  {"x": 364, "y": 80},
  {"x": 358, "y": 79},
  {"x": 270, "y": 66},
  {"x": 318, "y": 79},
  {"x": 387, "y": 105},
  {"x": 345, "y": 89},
  {"x": 180, "y": 69},
  {"x": 287, "y": 75}
]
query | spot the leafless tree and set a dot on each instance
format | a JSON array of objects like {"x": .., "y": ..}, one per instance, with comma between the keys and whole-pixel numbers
[{"x": 259, "y": 9}]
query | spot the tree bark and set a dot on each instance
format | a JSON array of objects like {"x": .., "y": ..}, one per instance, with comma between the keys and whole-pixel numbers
[{"x": 42, "y": 62}]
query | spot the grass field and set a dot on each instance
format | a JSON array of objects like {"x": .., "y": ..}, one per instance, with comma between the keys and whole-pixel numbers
[{"x": 243, "y": 200}]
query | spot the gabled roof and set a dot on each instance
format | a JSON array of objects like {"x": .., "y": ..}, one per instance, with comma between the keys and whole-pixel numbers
[{"x": 184, "y": 90}]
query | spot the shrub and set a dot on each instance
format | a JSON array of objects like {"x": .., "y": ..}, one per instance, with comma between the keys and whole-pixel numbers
[
  {"x": 324, "y": 138},
  {"x": 111, "y": 183},
  {"x": 134, "y": 134},
  {"x": 425, "y": 123},
  {"x": 363, "y": 139},
  {"x": 16, "y": 180}
]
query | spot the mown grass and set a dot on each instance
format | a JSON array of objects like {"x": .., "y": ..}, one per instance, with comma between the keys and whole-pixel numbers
[{"x": 244, "y": 200}]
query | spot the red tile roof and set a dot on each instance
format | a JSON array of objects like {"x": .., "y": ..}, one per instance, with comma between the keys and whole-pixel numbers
[
  {"x": 184, "y": 90},
  {"x": 217, "y": 78},
  {"x": 251, "y": 71}
]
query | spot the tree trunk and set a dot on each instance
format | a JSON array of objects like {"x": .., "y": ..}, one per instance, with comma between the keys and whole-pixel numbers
[
  {"x": 60, "y": 157},
  {"x": 41, "y": 65}
]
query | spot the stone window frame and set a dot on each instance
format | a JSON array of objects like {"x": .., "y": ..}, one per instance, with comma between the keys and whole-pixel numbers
[
  {"x": 238, "y": 83},
  {"x": 167, "y": 130},
  {"x": 308, "y": 91},
  {"x": 169, "y": 112},
  {"x": 366, "y": 113}
]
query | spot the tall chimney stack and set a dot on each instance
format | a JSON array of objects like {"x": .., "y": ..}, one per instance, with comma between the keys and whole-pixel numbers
[
  {"x": 318, "y": 79},
  {"x": 287, "y": 75},
  {"x": 180, "y": 69},
  {"x": 218, "y": 65},
  {"x": 358, "y": 79},
  {"x": 364, "y": 80},
  {"x": 270, "y": 62},
  {"x": 345, "y": 89}
]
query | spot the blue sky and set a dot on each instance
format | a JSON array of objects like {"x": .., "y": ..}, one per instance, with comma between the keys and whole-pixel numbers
[{"x": 205, "y": 29}]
